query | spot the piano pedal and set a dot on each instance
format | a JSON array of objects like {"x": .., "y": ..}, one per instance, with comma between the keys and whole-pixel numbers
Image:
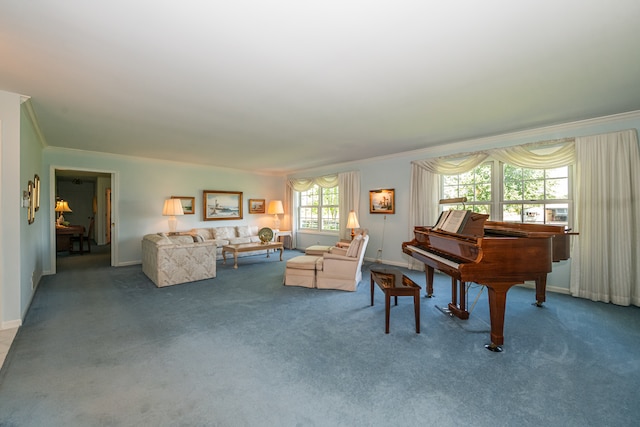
[{"x": 445, "y": 310}]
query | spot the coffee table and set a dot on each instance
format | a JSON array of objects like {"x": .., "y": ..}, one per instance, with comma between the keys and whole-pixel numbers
[
  {"x": 395, "y": 284},
  {"x": 249, "y": 247}
]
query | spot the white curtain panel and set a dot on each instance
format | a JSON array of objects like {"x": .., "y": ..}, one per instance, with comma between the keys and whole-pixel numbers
[
  {"x": 423, "y": 207},
  {"x": 606, "y": 255},
  {"x": 349, "y": 193}
]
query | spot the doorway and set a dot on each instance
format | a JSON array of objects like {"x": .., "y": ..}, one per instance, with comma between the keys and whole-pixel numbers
[{"x": 88, "y": 195}]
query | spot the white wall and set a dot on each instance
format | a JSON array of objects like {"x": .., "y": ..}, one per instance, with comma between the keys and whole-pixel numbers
[{"x": 20, "y": 242}]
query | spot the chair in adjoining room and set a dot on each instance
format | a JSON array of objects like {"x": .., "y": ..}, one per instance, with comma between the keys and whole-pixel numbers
[
  {"x": 82, "y": 238},
  {"x": 339, "y": 268}
]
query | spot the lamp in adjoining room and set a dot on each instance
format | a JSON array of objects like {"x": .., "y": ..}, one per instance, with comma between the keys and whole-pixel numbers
[
  {"x": 61, "y": 206},
  {"x": 172, "y": 207},
  {"x": 352, "y": 223},
  {"x": 275, "y": 208}
]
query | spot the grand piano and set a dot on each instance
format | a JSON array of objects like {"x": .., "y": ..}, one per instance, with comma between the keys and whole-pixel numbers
[{"x": 498, "y": 255}]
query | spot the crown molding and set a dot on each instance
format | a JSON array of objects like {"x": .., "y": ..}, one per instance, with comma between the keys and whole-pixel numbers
[
  {"x": 28, "y": 106},
  {"x": 529, "y": 135},
  {"x": 506, "y": 139}
]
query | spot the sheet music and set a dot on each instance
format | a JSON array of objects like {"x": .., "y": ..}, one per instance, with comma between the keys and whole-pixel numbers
[{"x": 454, "y": 221}]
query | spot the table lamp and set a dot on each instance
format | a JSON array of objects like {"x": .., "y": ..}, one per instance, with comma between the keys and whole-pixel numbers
[
  {"x": 61, "y": 206},
  {"x": 275, "y": 208},
  {"x": 352, "y": 223},
  {"x": 172, "y": 207}
]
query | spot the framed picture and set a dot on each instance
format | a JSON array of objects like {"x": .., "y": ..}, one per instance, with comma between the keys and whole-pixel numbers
[
  {"x": 188, "y": 204},
  {"x": 36, "y": 192},
  {"x": 221, "y": 205},
  {"x": 31, "y": 213},
  {"x": 256, "y": 206},
  {"x": 382, "y": 201}
]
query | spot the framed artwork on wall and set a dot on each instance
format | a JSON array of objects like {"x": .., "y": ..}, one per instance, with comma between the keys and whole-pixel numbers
[
  {"x": 221, "y": 205},
  {"x": 188, "y": 204},
  {"x": 36, "y": 192},
  {"x": 256, "y": 206},
  {"x": 382, "y": 201},
  {"x": 31, "y": 213}
]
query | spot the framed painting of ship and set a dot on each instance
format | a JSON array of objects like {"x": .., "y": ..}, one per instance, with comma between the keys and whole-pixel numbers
[
  {"x": 256, "y": 206},
  {"x": 382, "y": 201},
  {"x": 221, "y": 205}
]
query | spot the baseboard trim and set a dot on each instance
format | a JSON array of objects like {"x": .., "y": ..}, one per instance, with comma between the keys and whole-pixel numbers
[{"x": 11, "y": 324}]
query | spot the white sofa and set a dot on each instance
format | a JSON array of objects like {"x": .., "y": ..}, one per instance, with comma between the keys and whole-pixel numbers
[
  {"x": 228, "y": 235},
  {"x": 170, "y": 260}
]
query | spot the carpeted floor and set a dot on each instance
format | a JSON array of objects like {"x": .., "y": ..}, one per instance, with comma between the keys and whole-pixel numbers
[{"x": 103, "y": 346}]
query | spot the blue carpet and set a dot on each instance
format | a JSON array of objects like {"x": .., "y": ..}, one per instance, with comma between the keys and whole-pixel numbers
[{"x": 103, "y": 346}]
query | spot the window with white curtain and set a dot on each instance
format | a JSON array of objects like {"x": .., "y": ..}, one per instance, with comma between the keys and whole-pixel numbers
[
  {"x": 318, "y": 209},
  {"x": 513, "y": 194}
]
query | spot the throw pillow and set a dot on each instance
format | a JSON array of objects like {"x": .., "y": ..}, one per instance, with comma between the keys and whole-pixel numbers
[
  {"x": 244, "y": 231},
  {"x": 354, "y": 247},
  {"x": 225, "y": 233}
]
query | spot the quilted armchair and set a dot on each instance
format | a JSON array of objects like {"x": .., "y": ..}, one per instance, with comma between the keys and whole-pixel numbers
[{"x": 341, "y": 268}]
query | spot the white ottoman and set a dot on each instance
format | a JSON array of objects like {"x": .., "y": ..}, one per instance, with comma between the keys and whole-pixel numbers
[{"x": 301, "y": 271}]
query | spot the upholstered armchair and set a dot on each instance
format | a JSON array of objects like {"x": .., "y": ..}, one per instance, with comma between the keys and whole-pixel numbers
[{"x": 341, "y": 268}]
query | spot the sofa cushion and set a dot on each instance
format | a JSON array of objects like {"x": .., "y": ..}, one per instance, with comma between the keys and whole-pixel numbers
[
  {"x": 247, "y": 230},
  {"x": 181, "y": 239},
  {"x": 303, "y": 262},
  {"x": 238, "y": 240},
  {"x": 197, "y": 238},
  {"x": 205, "y": 233},
  {"x": 225, "y": 233},
  {"x": 221, "y": 242}
]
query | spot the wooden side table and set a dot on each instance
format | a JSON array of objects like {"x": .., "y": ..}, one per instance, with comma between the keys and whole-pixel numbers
[
  {"x": 395, "y": 284},
  {"x": 283, "y": 233}
]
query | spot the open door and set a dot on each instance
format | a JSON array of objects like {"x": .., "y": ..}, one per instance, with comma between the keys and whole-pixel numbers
[{"x": 108, "y": 216}]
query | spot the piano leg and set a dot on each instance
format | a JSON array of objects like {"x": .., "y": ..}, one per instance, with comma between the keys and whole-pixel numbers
[
  {"x": 541, "y": 290},
  {"x": 429, "y": 278},
  {"x": 497, "y": 304}
]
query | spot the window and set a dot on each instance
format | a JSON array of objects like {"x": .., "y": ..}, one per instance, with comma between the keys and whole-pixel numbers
[
  {"x": 539, "y": 196},
  {"x": 318, "y": 209},
  {"x": 475, "y": 185}
]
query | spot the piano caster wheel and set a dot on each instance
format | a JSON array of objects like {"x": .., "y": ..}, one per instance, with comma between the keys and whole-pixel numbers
[
  {"x": 493, "y": 347},
  {"x": 538, "y": 304},
  {"x": 428, "y": 296}
]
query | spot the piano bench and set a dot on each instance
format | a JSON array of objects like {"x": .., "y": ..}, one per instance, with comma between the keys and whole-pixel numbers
[{"x": 395, "y": 284}]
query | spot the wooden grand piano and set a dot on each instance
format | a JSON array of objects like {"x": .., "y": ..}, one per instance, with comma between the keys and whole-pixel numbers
[{"x": 498, "y": 255}]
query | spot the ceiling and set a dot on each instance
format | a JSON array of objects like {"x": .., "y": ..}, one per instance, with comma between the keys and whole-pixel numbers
[{"x": 285, "y": 85}]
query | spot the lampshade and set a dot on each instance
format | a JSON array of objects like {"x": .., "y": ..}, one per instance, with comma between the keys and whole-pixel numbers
[
  {"x": 172, "y": 207},
  {"x": 352, "y": 220},
  {"x": 62, "y": 206},
  {"x": 275, "y": 207}
]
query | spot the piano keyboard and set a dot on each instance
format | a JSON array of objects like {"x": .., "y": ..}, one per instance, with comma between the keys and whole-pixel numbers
[{"x": 434, "y": 257}]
